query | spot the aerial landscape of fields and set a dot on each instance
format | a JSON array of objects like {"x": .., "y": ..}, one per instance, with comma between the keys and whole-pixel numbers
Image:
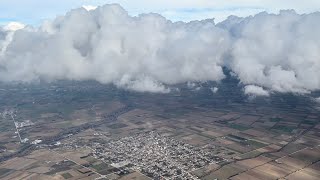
[
  {"x": 87, "y": 130},
  {"x": 163, "y": 90}
]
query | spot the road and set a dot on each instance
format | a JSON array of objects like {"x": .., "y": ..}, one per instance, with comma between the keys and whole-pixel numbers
[
  {"x": 15, "y": 125},
  {"x": 27, "y": 148}
]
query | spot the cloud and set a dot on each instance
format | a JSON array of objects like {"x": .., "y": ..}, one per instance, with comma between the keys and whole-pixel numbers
[
  {"x": 214, "y": 90},
  {"x": 143, "y": 84},
  {"x": 278, "y": 52},
  {"x": 253, "y": 90},
  {"x": 110, "y": 46},
  {"x": 7, "y": 33},
  {"x": 89, "y": 7},
  {"x": 13, "y": 26}
]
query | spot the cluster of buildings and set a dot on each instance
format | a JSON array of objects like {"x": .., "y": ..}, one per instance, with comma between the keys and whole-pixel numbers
[
  {"x": 155, "y": 155},
  {"x": 22, "y": 124}
]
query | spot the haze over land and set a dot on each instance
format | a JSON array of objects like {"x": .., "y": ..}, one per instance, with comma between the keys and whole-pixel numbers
[{"x": 266, "y": 52}]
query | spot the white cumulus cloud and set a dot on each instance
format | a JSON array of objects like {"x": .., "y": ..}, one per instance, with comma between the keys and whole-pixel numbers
[
  {"x": 278, "y": 52},
  {"x": 13, "y": 26},
  {"x": 255, "y": 91},
  {"x": 214, "y": 90},
  {"x": 89, "y": 7}
]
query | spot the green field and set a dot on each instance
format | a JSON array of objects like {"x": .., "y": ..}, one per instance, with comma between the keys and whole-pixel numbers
[
  {"x": 283, "y": 128},
  {"x": 238, "y": 127},
  {"x": 66, "y": 175}
]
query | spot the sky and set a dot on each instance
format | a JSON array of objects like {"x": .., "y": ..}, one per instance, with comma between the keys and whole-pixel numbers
[{"x": 34, "y": 12}]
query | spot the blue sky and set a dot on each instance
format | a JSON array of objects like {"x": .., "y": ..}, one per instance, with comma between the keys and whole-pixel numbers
[{"x": 35, "y": 11}]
